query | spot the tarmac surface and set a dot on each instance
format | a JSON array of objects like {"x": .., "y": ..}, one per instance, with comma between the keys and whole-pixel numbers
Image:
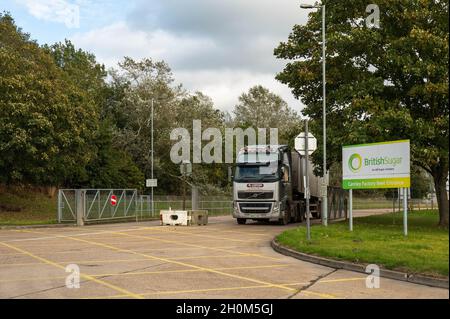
[{"x": 145, "y": 260}]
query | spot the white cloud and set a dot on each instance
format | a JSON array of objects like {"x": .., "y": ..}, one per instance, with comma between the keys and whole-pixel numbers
[
  {"x": 224, "y": 85},
  {"x": 61, "y": 11},
  {"x": 111, "y": 43},
  {"x": 221, "y": 48}
]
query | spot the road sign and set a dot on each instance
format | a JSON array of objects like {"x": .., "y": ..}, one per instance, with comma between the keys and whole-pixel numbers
[
  {"x": 113, "y": 200},
  {"x": 376, "y": 165},
  {"x": 151, "y": 182},
  {"x": 300, "y": 143}
]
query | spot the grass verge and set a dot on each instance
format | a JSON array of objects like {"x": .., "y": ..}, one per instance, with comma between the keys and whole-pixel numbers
[
  {"x": 379, "y": 240},
  {"x": 29, "y": 208}
]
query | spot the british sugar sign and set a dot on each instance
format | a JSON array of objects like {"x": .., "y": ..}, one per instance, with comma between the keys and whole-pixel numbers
[{"x": 376, "y": 165}]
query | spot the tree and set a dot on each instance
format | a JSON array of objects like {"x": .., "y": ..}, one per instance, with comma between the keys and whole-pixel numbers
[
  {"x": 45, "y": 127},
  {"x": 383, "y": 83},
  {"x": 111, "y": 167},
  {"x": 260, "y": 108},
  {"x": 135, "y": 85}
]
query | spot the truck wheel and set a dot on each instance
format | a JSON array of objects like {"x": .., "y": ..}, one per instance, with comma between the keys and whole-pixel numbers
[
  {"x": 286, "y": 218},
  {"x": 241, "y": 221}
]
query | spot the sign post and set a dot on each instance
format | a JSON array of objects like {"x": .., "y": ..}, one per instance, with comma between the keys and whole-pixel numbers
[
  {"x": 350, "y": 209},
  {"x": 306, "y": 144},
  {"x": 308, "y": 221},
  {"x": 377, "y": 165},
  {"x": 405, "y": 212}
]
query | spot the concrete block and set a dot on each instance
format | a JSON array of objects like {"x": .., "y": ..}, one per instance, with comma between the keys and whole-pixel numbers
[
  {"x": 174, "y": 217},
  {"x": 183, "y": 217},
  {"x": 198, "y": 217}
]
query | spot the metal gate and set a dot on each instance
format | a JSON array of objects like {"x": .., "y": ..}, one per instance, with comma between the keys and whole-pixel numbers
[
  {"x": 337, "y": 203},
  {"x": 88, "y": 205}
]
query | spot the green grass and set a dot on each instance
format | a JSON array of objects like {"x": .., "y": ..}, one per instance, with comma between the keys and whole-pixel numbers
[
  {"x": 379, "y": 240},
  {"x": 35, "y": 209},
  {"x": 368, "y": 203}
]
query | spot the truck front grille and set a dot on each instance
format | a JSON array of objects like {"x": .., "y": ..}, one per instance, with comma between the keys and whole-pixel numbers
[
  {"x": 255, "y": 195},
  {"x": 255, "y": 208}
]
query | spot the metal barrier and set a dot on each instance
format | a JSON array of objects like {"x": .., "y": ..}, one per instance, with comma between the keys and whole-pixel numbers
[
  {"x": 95, "y": 205},
  {"x": 67, "y": 205},
  {"x": 88, "y": 205},
  {"x": 337, "y": 203}
]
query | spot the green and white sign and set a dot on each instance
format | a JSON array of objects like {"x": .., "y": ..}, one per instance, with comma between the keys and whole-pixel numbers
[{"x": 376, "y": 165}]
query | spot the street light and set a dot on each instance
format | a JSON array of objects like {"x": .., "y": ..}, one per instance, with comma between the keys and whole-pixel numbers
[{"x": 324, "y": 185}]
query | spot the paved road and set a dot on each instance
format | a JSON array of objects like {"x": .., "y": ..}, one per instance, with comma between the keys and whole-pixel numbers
[{"x": 144, "y": 260}]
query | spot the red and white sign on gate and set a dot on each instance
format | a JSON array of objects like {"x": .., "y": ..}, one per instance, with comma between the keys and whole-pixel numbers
[{"x": 113, "y": 200}]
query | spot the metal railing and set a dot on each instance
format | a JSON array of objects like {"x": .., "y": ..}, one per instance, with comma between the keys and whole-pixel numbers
[
  {"x": 87, "y": 205},
  {"x": 214, "y": 207},
  {"x": 337, "y": 203},
  {"x": 94, "y": 205}
]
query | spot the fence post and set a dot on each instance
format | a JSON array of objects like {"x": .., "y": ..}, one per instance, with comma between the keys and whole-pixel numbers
[
  {"x": 59, "y": 206},
  {"x": 194, "y": 198},
  {"x": 79, "y": 204}
]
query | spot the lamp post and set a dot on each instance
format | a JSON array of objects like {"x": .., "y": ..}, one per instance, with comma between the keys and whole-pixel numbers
[{"x": 324, "y": 115}]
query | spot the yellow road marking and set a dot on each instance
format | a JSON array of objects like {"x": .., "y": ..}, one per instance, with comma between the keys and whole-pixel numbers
[
  {"x": 312, "y": 293},
  {"x": 126, "y": 260},
  {"x": 191, "y": 233},
  {"x": 87, "y": 277},
  {"x": 140, "y": 273},
  {"x": 161, "y": 240},
  {"x": 173, "y": 261},
  {"x": 173, "y": 292},
  {"x": 192, "y": 245},
  {"x": 170, "y": 258},
  {"x": 269, "y": 285},
  {"x": 188, "y": 265},
  {"x": 341, "y": 280},
  {"x": 165, "y": 241}
]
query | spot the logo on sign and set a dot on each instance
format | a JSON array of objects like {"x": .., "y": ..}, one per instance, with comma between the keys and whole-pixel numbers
[
  {"x": 355, "y": 163},
  {"x": 113, "y": 200}
]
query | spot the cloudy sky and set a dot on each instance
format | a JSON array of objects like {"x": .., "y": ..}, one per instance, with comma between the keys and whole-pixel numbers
[{"x": 219, "y": 47}]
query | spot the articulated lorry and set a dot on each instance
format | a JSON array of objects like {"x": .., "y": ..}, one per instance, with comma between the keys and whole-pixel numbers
[{"x": 269, "y": 185}]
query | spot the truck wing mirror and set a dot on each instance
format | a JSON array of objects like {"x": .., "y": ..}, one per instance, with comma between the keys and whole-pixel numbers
[{"x": 285, "y": 172}]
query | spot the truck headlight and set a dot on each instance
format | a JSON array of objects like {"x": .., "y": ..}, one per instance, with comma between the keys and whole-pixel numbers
[{"x": 276, "y": 207}]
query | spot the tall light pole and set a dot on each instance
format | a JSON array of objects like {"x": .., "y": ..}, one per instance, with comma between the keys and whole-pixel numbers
[
  {"x": 324, "y": 115},
  {"x": 153, "y": 206}
]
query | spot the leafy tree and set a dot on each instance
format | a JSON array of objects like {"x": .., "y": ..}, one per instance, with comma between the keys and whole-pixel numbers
[
  {"x": 45, "y": 127},
  {"x": 138, "y": 83},
  {"x": 260, "y": 108},
  {"x": 135, "y": 85},
  {"x": 383, "y": 83},
  {"x": 111, "y": 167}
]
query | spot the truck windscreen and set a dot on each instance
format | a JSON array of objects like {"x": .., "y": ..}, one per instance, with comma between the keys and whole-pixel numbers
[
  {"x": 261, "y": 157},
  {"x": 265, "y": 172}
]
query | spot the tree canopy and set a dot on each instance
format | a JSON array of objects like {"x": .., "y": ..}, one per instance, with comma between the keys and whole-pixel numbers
[{"x": 383, "y": 83}]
